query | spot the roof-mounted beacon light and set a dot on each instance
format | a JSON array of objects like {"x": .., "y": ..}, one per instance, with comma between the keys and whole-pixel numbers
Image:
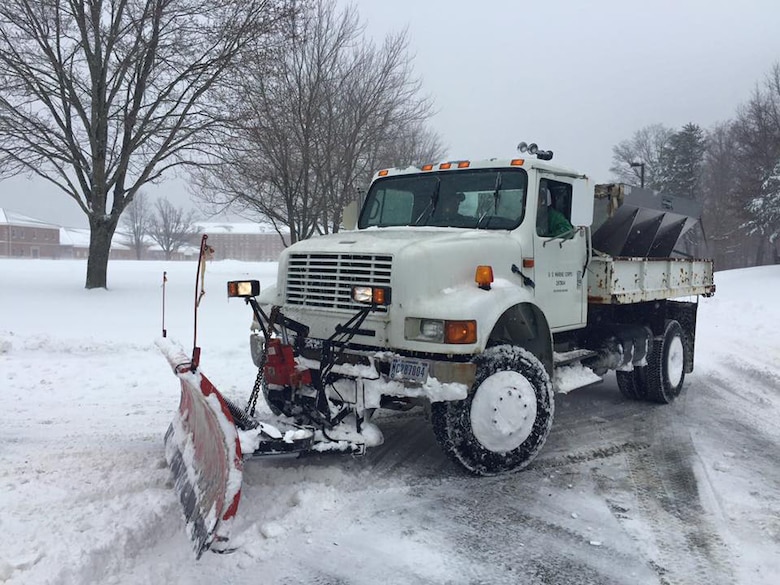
[{"x": 534, "y": 149}]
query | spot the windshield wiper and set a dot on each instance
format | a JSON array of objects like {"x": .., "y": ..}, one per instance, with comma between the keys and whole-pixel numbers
[
  {"x": 497, "y": 193},
  {"x": 496, "y": 199},
  {"x": 431, "y": 207}
]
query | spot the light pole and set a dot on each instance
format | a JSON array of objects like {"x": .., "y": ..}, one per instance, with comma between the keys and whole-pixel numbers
[{"x": 641, "y": 166}]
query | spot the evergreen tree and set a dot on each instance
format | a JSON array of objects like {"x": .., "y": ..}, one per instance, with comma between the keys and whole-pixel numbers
[
  {"x": 765, "y": 209},
  {"x": 681, "y": 162}
]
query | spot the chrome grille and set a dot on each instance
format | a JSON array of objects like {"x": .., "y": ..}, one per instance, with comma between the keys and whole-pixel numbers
[{"x": 326, "y": 280}]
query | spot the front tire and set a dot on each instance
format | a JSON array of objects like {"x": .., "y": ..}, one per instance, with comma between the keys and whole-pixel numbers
[{"x": 504, "y": 421}]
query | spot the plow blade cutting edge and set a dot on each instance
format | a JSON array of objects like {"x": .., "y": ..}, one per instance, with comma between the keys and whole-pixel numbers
[{"x": 204, "y": 453}]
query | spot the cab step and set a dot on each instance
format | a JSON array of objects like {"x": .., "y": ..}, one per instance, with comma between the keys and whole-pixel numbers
[{"x": 570, "y": 357}]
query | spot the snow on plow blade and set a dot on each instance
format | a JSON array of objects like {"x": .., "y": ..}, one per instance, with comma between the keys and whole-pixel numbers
[{"x": 203, "y": 451}]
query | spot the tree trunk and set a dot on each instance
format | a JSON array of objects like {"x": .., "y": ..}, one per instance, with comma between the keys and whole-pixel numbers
[
  {"x": 101, "y": 232},
  {"x": 760, "y": 253}
]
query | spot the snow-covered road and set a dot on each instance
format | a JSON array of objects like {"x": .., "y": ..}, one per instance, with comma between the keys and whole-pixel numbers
[{"x": 623, "y": 492}]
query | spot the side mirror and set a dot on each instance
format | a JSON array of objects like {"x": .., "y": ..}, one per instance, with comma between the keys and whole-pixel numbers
[
  {"x": 349, "y": 216},
  {"x": 582, "y": 203}
]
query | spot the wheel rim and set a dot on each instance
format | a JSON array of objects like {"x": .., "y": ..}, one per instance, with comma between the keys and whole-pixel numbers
[
  {"x": 503, "y": 411},
  {"x": 675, "y": 361}
]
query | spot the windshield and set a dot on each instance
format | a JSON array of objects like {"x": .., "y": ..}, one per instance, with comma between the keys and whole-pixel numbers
[{"x": 483, "y": 199}]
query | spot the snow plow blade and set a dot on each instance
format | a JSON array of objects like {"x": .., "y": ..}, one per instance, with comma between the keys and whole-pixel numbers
[{"x": 204, "y": 454}]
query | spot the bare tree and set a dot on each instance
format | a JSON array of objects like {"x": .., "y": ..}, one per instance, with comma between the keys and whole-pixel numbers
[
  {"x": 100, "y": 97},
  {"x": 373, "y": 110},
  {"x": 136, "y": 223},
  {"x": 171, "y": 227},
  {"x": 319, "y": 125},
  {"x": 645, "y": 146},
  {"x": 721, "y": 221},
  {"x": 757, "y": 152},
  {"x": 410, "y": 146}
]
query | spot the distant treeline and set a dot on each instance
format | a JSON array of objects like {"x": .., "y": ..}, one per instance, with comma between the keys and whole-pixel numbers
[{"x": 732, "y": 169}]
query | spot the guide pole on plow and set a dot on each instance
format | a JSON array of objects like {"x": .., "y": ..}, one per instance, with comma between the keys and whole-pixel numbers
[{"x": 201, "y": 445}]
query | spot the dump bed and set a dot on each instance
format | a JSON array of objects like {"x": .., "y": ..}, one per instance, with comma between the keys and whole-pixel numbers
[{"x": 621, "y": 280}]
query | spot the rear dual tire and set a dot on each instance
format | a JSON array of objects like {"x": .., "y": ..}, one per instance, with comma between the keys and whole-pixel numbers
[{"x": 662, "y": 379}]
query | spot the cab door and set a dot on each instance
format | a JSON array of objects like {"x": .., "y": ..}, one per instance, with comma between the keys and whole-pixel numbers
[{"x": 559, "y": 255}]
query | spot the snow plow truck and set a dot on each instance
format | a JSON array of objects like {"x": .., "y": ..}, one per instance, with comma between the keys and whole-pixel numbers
[{"x": 474, "y": 289}]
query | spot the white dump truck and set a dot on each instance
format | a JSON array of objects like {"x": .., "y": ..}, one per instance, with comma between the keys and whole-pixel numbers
[{"x": 477, "y": 290}]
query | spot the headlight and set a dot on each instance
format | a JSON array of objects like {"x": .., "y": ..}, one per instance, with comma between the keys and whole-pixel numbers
[
  {"x": 362, "y": 294},
  {"x": 432, "y": 330},
  {"x": 440, "y": 331},
  {"x": 371, "y": 295},
  {"x": 243, "y": 288}
]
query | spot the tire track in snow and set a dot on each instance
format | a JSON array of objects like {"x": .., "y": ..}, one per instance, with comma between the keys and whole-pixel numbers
[
  {"x": 647, "y": 445},
  {"x": 492, "y": 528},
  {"x": 667, "y": 491}
]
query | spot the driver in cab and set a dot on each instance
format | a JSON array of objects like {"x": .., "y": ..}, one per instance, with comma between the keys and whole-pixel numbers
[
  {"x": 447, "y": 212},
  {"x": 549, "y": 221}
]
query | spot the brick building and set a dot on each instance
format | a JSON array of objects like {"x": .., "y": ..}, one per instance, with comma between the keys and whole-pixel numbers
[
  {"x": 26, "y": 237},
  {"x": 251, "y": 242},
  {"x": 74, "y": 243}
]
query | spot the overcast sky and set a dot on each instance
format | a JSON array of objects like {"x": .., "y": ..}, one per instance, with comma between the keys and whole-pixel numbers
[{"x": 576, "y": 77}]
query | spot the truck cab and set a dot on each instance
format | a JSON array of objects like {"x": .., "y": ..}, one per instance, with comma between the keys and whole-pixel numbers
[
  {"x": 515, "y": 200},
  {"x": 444, "y": 222}
]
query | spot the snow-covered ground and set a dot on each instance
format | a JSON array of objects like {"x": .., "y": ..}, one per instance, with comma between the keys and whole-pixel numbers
[{"x": 623, "y": 492}]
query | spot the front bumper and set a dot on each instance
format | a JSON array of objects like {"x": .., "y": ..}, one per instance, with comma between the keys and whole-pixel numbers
[{"x": 448, "y": 377}]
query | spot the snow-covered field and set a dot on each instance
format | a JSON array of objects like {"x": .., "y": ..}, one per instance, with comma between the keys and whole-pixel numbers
[{"x": 622, "y": 493}]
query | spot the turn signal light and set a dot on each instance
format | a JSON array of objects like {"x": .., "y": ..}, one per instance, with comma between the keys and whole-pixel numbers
[
  {"x": 460, "y": 332},
  {"x": 379, "y": 296},
  {"x": 484, "y": 277}
]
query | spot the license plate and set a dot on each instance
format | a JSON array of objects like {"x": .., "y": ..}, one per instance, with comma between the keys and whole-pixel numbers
[{"x": 408, "y": 369}]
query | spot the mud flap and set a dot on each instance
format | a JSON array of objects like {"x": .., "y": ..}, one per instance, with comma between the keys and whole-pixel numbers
[{"x": 204, "y": 454}]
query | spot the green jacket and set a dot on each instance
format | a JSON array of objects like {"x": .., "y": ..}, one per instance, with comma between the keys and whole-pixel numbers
[{"x": 557, "y": 223}]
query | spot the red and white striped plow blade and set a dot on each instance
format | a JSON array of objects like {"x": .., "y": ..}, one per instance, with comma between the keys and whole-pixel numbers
[{"x": 203, "y": 451}]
